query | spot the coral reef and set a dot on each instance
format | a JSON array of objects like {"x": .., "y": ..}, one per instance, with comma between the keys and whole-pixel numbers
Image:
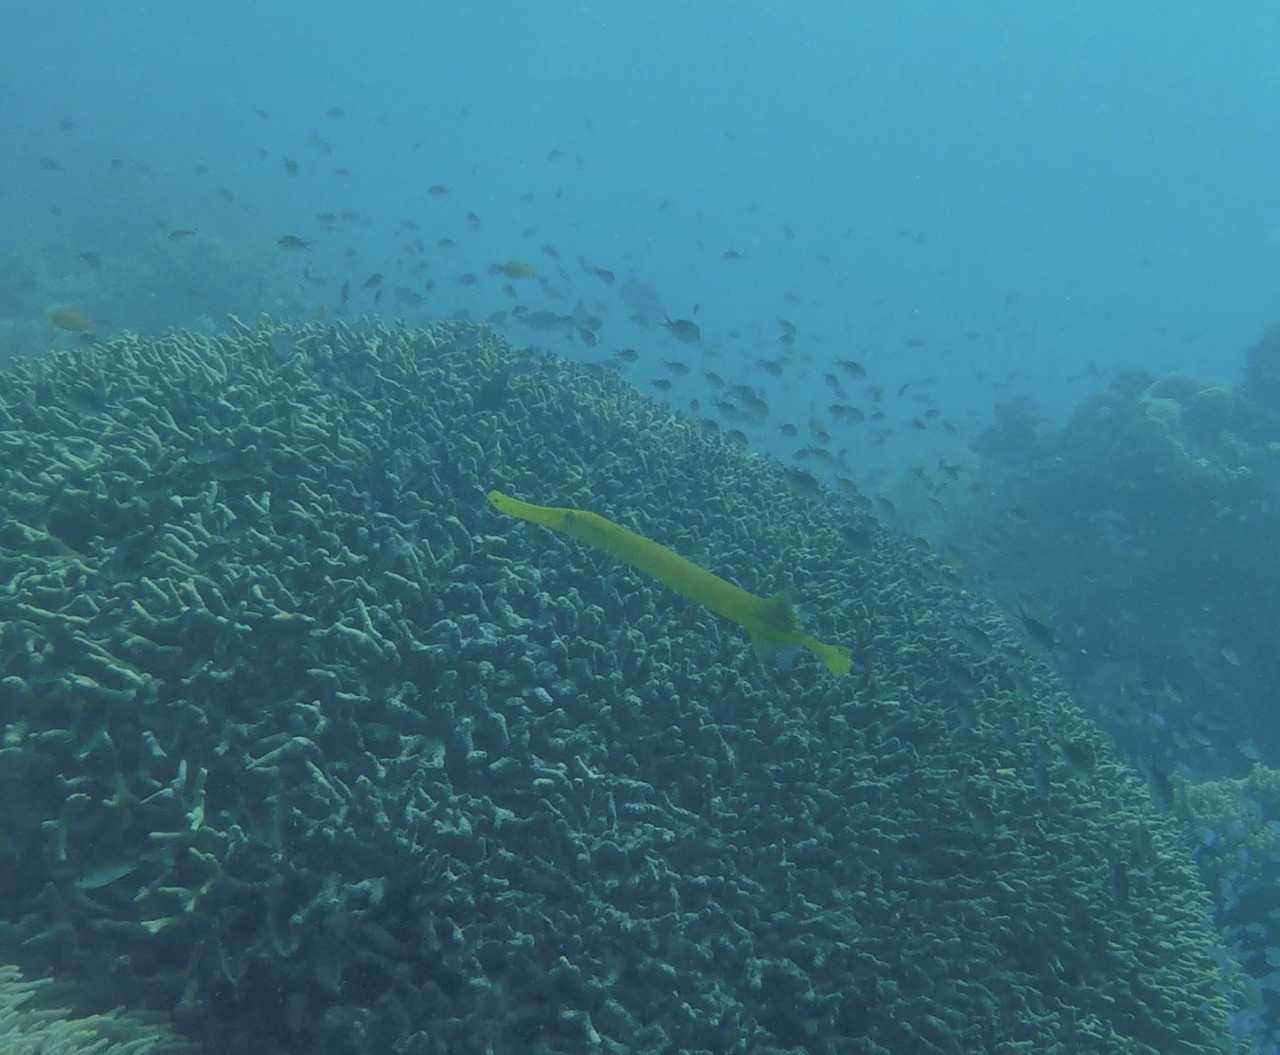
[
  {"x": 1234, "y": 828},
  {"x": 1147, "y": 523},
  {"x": 32, "y": 1022},
  {"x": 306, "y": 746}
]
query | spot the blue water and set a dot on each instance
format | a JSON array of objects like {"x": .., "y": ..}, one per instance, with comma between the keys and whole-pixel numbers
[{"x": 981, "y": 201}]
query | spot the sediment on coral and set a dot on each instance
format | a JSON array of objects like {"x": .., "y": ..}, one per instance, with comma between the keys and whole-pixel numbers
[{"x": 307, "y": 747}]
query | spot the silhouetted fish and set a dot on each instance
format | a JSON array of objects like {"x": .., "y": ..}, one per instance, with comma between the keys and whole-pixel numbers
[
  {"x": 684, "y": 330},
  {"x": 642, "y": 300}
]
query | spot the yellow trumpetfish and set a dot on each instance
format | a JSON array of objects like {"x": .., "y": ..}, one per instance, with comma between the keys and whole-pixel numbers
[{"x": 770, "y": 621}]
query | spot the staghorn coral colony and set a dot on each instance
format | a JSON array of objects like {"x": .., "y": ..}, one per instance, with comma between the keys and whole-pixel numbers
[
  {"x": 308, "y": 747},
  {"x": 32, "y": 1022}
]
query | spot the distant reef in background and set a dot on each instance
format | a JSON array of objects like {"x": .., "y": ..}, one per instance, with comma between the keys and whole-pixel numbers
[{"x": 1146, "y": 524}]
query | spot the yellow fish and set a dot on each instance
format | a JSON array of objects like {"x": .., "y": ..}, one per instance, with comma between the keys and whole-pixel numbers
[
  {"x": 71, "y": 321},
  {"x": 770, "y": 621},
  {"x": 512, "y": 269}
]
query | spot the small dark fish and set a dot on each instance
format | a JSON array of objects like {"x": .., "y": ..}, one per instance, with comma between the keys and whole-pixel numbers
[
  {"x": 684, "y": 330},
  {"x": 292, "y": 241},
  {"x": 605, "y": 275},
  {"x": 626, "y": 355},
  {"x": 802, "y": 482},
  {"x": 435, "y": 190},
  {"x": 732, "y": 254},
  {"x": 467, "y": 280},
  {"x": 373, "y": 281},
  {"x": 445, "y": 243},
  {"x": 474, "y": 221},
  {"x": 662, "y": 384},
  {"x": 408, "y": 297},
  {"x": 1040, "y": 632},
  {"x": 97, "y": 878},
  {"x": 91, "y": 259},
  {"x": 290, "y": 167},
  {"x": 335, "y": 111},
  {"x": 346, "y": 290},
  {"x": 676, "y": 367},
  {"x": 544, "y": 320},
  {"x": 179, "y": 233},
  {"x": 588, "y": 336},
  {"x": 49, "y": 165},
  {"x": 852, "y": 368},
  {"x": 752, "y": 401}
]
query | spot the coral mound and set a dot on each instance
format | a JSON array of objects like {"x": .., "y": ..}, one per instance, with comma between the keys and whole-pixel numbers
[{"x": 306, "y": 746}]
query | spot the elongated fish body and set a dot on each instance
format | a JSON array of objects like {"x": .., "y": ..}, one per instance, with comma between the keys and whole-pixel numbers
[{"x": 770, "y": 621}]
